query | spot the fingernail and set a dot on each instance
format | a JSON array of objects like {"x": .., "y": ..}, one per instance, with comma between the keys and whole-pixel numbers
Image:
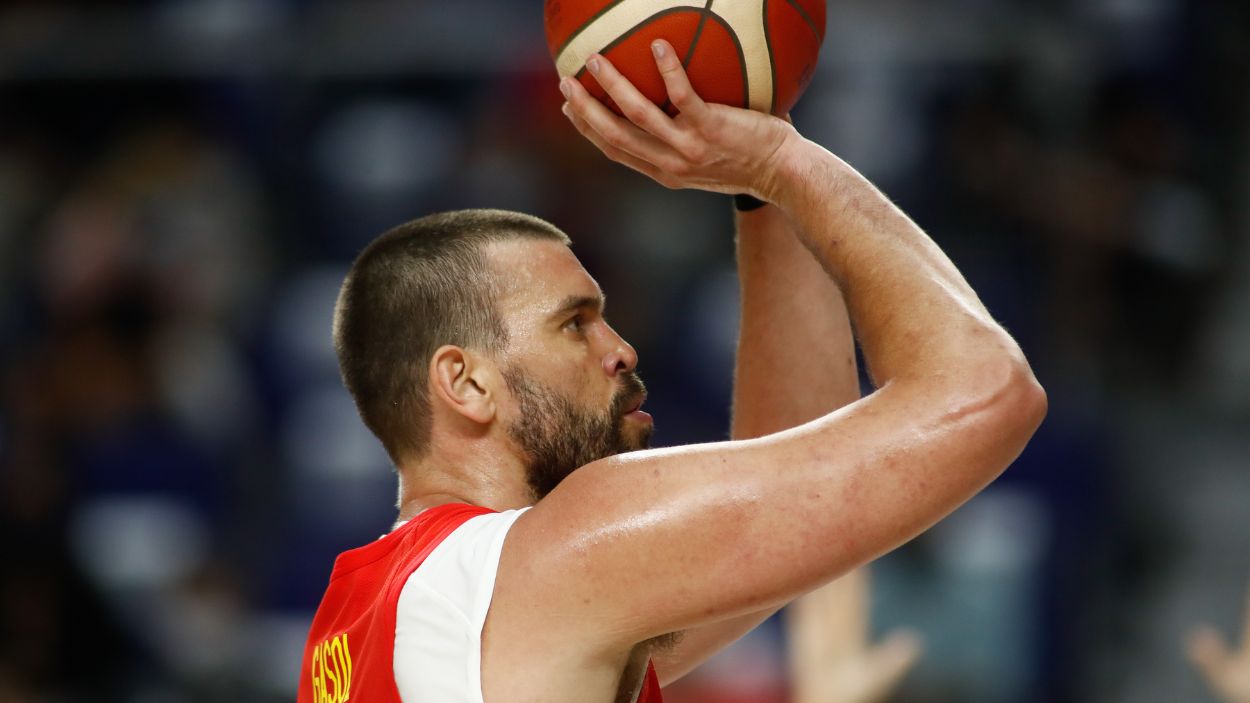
[
  {"x": 565, "y": 109},
  {"x": 657, "y": 48},
  {"x": 593, "y": 65},
  {"x": 565, "y": 87}
]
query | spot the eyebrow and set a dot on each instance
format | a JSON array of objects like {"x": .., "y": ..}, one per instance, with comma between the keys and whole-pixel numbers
[{"x": 577, "y": 302}]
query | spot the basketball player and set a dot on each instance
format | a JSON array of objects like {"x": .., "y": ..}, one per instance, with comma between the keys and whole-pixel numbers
[{"x": 538, "y": 558}]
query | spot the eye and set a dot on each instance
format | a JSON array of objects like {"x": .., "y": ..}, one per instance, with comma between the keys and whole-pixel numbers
[{"x": 574, "y": 323}]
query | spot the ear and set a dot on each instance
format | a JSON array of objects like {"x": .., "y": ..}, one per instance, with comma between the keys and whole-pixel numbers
[{"x": 464, "y": 382}]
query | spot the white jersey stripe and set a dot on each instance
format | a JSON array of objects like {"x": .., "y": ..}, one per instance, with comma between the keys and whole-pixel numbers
[{"x": 441, "y": 610}]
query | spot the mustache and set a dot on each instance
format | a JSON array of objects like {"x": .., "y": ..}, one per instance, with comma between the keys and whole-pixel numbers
[{"x": 631, "y": 394}]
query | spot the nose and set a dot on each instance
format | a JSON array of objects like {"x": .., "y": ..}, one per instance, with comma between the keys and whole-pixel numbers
[{"x": 621, "y": 356}]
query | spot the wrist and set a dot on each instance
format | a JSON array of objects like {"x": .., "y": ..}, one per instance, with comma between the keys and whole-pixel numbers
[{"x": 790, "y": 168}]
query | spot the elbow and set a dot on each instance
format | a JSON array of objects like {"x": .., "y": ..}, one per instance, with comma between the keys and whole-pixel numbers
[
  {"x": 1014, "y": 400},
  {"x": 992, "y": 414},
  {"x": 1028, "y": 404}
]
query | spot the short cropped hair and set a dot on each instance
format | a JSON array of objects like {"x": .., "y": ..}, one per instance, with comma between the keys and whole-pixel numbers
[{"x": 423, "y": 284}]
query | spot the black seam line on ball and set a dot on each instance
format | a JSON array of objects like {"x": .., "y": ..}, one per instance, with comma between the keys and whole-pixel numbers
[
  {"x": 698, "y": 32},
  {"x": 578, "y": 32},
  {"x": 630, "y": 32},
  {"x": 742, "y": 59},
  {"x": 811, "y": 23}
]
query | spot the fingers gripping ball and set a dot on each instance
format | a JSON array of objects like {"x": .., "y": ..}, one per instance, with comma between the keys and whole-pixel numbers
[{"x": 746, "y": 53}]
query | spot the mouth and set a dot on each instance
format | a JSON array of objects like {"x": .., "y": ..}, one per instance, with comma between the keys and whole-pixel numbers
[{"x": 635, "y": 405}]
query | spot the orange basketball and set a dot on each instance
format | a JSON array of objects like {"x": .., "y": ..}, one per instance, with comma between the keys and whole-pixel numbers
[{"x": 747, "y": 53}]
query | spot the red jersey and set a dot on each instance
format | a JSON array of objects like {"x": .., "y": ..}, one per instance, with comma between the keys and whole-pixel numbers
[{"x": 350, "y": 654}]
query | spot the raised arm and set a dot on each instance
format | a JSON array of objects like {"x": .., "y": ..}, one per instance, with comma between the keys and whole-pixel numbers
[
  {"x": 639, "y": 545},
  {"x": 795, "y": 363},
  {"x": 796, "y": 355}
]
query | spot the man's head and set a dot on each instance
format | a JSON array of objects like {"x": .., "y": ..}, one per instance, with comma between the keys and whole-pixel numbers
[{"x": 482, "y": 323}]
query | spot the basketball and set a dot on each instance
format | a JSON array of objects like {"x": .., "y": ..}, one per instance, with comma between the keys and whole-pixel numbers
[{"x": 758, "y": 54}]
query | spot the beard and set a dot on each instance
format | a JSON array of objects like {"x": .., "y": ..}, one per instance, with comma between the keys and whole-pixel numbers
[{"x": 558, "y": 437}]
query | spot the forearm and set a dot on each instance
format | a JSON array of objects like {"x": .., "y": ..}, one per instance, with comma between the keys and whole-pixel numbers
[
  {"x": 914, "y": 313},
  {"x": 755, "y": 523},
  {"x": 796, "y": 355},
  {"x": 795, "y": 363}
]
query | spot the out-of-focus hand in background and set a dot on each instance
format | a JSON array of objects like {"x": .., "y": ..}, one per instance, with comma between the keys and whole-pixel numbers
[
  {"x": 1225, "y": 668},
  {"x": 832, "y": 656}
]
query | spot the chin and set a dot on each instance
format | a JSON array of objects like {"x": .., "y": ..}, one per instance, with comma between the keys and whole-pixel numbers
[{"x": 637, "y": 438}]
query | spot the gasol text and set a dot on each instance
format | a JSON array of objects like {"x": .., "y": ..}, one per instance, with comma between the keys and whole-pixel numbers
[{"x": 332, "y": 671}]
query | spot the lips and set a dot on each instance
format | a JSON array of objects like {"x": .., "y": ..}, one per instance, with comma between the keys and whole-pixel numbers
[{"x": 635, "y": 404}]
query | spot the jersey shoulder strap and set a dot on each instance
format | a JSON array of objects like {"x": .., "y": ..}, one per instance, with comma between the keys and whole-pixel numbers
[{"x": 350, "y": 648}]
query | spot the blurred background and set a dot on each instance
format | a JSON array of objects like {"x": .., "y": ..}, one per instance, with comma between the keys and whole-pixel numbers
[{"x": 183, "y": 184}]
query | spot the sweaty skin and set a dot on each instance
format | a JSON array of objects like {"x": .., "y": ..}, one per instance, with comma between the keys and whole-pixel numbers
[
  {"x": 795, "y": 363},
  {"x": 635, "y": 546}
]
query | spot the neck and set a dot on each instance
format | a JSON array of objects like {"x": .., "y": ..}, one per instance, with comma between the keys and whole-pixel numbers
[{"x": 488, "y": 477}]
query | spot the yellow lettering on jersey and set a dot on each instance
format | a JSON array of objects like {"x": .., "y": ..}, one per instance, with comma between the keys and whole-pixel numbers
[{"x": 332, "y": 671}]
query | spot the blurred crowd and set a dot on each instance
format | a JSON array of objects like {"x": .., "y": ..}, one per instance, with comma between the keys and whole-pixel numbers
[{"x": 183, "y": 184}]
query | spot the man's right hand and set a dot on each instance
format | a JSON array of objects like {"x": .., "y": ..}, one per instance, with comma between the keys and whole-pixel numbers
[
  {"x": 706, "y": 146},
  {"x": 633, "y": 547}
]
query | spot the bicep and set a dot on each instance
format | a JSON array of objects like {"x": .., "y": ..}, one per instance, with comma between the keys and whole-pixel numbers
[{"x": 642, "y": 544}]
